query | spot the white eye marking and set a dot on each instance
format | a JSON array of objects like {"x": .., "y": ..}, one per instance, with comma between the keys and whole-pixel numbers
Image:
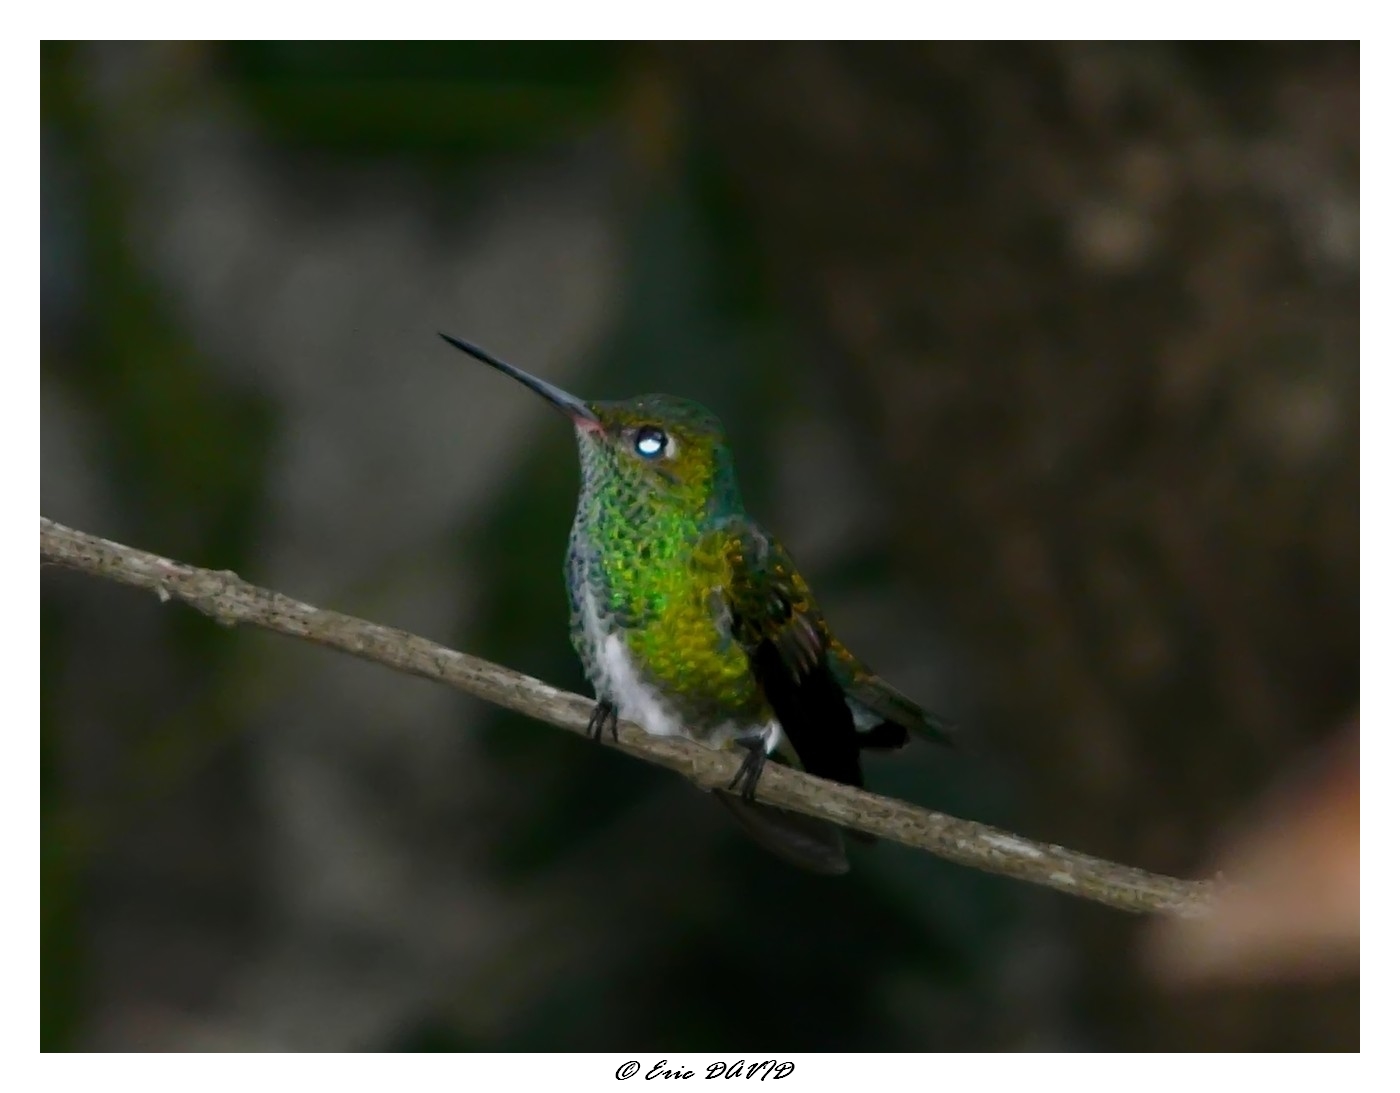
[{"x": 651, "y": 442}]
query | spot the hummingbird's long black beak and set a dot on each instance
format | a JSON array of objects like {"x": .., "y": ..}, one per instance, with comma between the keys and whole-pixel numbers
[{"x": 575, "y": 408}]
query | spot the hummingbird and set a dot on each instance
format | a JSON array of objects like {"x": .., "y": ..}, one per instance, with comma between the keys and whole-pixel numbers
[{"x": 691, "y": 620}]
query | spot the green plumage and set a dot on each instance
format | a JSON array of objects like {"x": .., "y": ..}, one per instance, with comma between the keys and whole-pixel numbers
[{"x": 690, "y": 620}]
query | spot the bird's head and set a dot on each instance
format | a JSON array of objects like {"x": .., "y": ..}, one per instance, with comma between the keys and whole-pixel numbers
[{"x": 658, "y": 448}]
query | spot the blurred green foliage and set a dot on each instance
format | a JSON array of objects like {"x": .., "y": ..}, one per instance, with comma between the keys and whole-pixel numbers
[{"x": 432, "y": 100}]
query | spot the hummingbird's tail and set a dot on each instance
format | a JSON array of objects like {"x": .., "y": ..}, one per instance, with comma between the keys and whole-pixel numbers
[{"x": 800, "y": 840}]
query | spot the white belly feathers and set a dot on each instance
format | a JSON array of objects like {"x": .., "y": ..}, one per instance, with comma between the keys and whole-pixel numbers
[{"x": 614, "y": 676}]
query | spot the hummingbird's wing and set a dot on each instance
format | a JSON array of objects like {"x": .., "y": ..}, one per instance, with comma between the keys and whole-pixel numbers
[
  {"x": 830, "y": 706},
  {"x": 810, "y": 678},
  {"x": 769, "y": 610}
]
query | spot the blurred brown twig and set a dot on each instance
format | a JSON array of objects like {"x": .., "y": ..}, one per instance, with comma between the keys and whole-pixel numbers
[{"x": 230, "y": 600}]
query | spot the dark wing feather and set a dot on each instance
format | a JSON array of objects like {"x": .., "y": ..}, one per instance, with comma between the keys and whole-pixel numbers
[{"x": 772, "y": 615}]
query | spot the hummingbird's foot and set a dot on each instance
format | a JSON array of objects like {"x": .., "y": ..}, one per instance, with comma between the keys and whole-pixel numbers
[
  {"x": 746, "y": 781},
  {"x": 604, "y": 714}
]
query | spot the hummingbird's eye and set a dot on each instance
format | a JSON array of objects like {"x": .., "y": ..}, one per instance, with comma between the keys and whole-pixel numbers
[{"x": 650, "y": 442}]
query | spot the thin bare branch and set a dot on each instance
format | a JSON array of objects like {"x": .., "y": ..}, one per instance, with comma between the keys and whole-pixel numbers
[{"x": 230, "y": 600}]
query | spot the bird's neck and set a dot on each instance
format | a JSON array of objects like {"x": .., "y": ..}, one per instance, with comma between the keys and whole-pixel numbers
[{"x": 611, "y": 518}]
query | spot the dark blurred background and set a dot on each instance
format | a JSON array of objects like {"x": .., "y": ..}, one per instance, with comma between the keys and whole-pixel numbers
[{"x": 1041, "y": 359}]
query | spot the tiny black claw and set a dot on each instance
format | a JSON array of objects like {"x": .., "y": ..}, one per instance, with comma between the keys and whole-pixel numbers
[
  {"x": 604, "y": 714},
  {"x": 746, "y": 780}
]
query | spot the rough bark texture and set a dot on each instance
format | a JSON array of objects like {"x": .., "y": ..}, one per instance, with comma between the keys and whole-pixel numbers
[{"x": 1100, "y": 305}]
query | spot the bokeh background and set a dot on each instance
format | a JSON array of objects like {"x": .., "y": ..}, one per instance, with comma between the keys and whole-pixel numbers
[{"x": 1041, "y": 359}]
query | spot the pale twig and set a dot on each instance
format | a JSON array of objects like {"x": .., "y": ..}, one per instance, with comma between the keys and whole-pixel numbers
[{"x": 230, "y": 600}]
